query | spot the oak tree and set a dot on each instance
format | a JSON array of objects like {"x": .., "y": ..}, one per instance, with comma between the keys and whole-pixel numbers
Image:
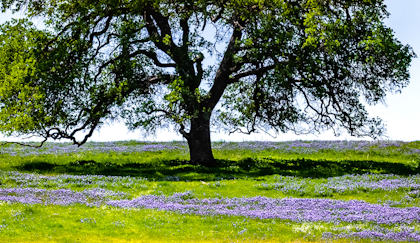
[{"x": 280, "y": 65}]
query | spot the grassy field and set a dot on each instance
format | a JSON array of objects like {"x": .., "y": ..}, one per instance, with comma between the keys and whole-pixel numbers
[{"x": 132, "y": 191}]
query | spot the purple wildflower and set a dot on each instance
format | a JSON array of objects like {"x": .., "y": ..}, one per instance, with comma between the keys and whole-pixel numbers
[
  {"x": 295, "y": 209},
  {"x": 91, "y": 197}
]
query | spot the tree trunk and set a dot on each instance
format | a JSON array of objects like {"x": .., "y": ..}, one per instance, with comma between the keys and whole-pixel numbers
[{"x": 199, "y": 142}]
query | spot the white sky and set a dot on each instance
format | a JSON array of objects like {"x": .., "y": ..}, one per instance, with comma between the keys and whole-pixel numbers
[{"x": 401, "y": 114}]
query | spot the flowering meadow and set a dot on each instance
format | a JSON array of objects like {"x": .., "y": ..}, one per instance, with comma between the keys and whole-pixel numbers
[{"x": 296, "y": 191}]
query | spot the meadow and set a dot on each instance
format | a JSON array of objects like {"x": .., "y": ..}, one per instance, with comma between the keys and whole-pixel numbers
[{"x": 134, "y": 191}]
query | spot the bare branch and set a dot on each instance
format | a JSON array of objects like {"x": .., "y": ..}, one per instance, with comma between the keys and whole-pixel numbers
[{"x": 26, "y": 145}]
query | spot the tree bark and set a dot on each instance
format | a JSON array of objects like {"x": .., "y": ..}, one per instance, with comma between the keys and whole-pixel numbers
[{"x": 199, "y": 142}]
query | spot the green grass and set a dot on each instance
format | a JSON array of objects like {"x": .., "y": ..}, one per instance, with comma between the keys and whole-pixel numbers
[
  {"x": 78, "y": 223},
  {"x": 156, "y": 165},
  {"x": 241, "y": 173}
]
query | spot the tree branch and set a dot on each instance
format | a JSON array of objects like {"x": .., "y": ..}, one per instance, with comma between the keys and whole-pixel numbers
[
  {"x": 153, "y": 56},
  {"x": 26, "y": 145},
  {"x": 103, "y": 31},
  {"x": 179, "y": 55},
  {"x": 258, "y": 71},
  {"x": 165, "y": 30},
  {"x": 198, "y": 60},
  {"x": 221, "y": 79},
  {"x": 185, "y": 32},
  {"x": 183, "y": 132},
  {"x": 133, "y": 54},
  {"x": 153, "y": 32},
  {"x": 163, "y": 24}
]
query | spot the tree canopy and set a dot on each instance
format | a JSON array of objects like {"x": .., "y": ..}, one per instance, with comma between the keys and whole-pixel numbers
[{"x": 286, "y": 65}]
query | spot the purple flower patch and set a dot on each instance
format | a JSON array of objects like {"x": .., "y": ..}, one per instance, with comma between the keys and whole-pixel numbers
[
  {"x": 91, "y": 197},
  {"x": 294, "y": 209}
]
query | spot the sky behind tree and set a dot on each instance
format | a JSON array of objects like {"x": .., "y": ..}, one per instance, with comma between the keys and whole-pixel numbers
[{"x": 401, "y": 112}]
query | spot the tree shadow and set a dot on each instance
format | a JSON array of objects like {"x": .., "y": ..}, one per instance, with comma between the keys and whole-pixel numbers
[{"x": 173, "y": 170}]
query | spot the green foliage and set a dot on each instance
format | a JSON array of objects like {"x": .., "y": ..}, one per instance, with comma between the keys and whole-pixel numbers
[
  {"x": 22, "y": 100},
  {"x": 310, "y": 39},
  {"x": 286, "y": 64}
]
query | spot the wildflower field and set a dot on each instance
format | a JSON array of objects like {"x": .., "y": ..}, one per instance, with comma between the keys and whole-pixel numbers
[{"x": 132, "y": 191}]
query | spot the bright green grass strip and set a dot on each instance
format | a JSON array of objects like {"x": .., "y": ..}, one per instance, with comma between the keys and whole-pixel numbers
[
  {"x": 37, "y": 223},
  {"x": 73, "y": 223}
]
